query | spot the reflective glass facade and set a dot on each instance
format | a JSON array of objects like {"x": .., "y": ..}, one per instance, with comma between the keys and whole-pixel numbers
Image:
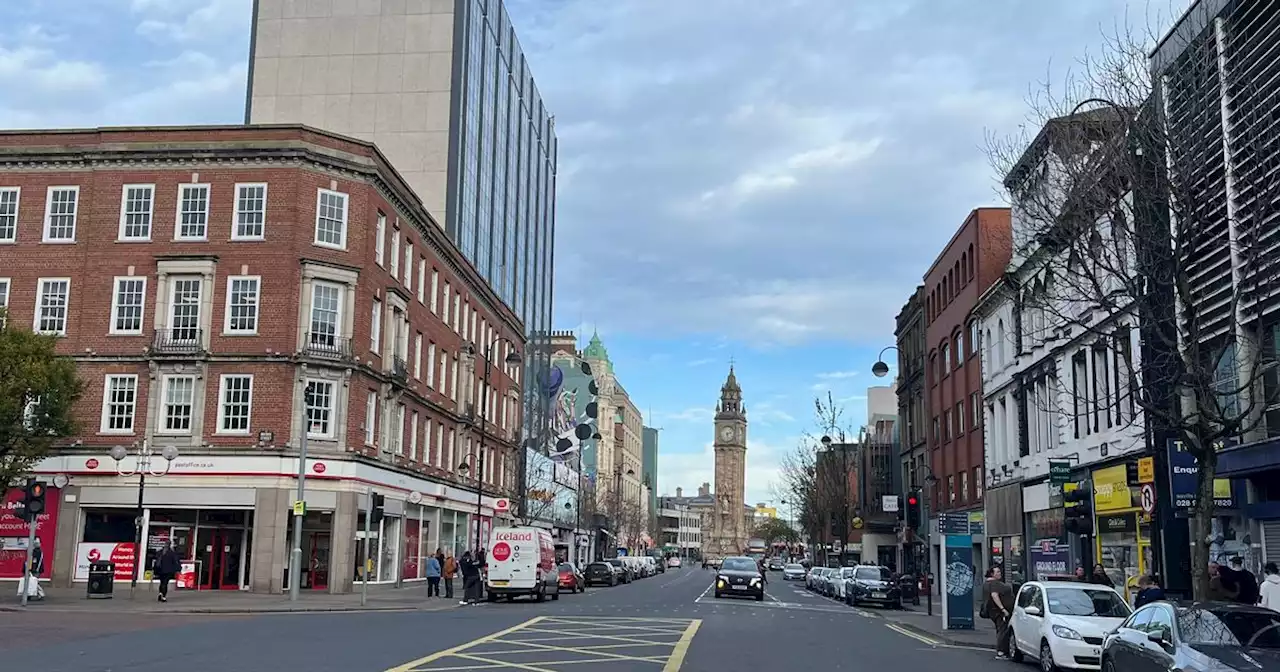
[{"x": 501, "y": 198}]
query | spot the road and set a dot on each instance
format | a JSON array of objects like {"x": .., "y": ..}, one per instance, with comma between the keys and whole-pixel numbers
[{"x": 665, "y": 623}]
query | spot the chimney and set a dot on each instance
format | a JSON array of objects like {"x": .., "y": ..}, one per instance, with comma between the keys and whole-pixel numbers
[
  {"x": 679, "y": 492},
  {"x": 704, "y": 490}
]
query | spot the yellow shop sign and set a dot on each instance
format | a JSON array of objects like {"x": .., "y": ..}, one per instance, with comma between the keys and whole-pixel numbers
[{"x": 1111, "y": 490}]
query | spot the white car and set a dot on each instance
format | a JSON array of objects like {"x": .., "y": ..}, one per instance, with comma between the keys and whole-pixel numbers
[
  {"x": 839, "y": 581},
  {"x": 1062, "y": 623},
  {"x": 793, "y": 572},
  {"x": 673, "y": 562}
]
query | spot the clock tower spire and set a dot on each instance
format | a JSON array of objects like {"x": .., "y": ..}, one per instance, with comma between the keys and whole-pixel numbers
[{"x": 730, "y": 528}]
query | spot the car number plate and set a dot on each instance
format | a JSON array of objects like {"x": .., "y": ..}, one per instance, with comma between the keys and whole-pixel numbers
[
  {"x": 739, "y": 587},
  {"x": 499, "y": 583},
  {"x": 879, "y": 596}
]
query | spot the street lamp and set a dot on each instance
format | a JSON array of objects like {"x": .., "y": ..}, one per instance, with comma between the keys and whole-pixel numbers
[
  {"x": 142, "y": 466},
  {"x": 880, "y": 369},
  {"x": 512, "y": 359}
]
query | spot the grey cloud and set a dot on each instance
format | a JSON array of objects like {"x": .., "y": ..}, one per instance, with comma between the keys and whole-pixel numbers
[{"x": 780, "y": 171}]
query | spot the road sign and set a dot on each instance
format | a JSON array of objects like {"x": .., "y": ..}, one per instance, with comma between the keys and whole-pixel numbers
[
  {"x": 299, "y": 508},
  {"x": 1148, "y": 498},
  {"x": 1146, "y": 470}
]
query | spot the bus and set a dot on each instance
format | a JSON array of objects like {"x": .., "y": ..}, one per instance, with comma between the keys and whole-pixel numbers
[{"x": 757, "y": 548}]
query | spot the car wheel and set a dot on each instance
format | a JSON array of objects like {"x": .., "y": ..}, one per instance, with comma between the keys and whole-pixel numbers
[
  {"x": 1108, "y": 666},
  {"x": 1015, "y": 654},
  {"x": 1046, "y": 658}
]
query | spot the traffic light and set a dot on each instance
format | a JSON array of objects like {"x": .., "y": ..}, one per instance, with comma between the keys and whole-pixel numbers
[
  {"x": 1078, "y": 503},
  {"x": 32, "y": 504},
  {"x": 376, "y": 511},
  {"x": 913, "y": 509}
]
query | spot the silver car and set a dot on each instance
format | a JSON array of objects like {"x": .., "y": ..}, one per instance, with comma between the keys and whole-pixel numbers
[{"x": 793, "y": 572}]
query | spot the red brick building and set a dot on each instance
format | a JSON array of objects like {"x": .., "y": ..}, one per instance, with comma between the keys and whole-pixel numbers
[
  {"x": 216, "y": 285},
  {"x": 974, "y": 258}
]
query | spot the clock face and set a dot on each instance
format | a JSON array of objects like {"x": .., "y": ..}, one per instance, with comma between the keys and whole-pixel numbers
[{"x": 726, "y": 434}]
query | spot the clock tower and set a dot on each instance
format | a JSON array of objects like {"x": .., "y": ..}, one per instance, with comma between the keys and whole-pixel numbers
[{"x": 730, "y": 470}]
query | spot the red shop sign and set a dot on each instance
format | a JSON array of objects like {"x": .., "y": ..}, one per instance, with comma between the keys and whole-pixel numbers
[{"x": 13, "y": 533}]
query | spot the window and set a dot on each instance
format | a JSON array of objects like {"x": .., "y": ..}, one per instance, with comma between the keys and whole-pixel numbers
[
  {"x": 444, "y": 373},
  {"x": 193, "y": 212},
  {"x": 319, "y": 409},
  {"x": 431, "y": 365},
  {"x": 398, "y": 444},
  {"x": 960, "y": 417},
  {"x": 179, "y": 404},
  {"x": 422, "y": 279},
  {"x": 457, "y": 312},
  {"x": 959, "y": 349},
  {"x": 395, "y": 253},
  {"x": 371, "y": 418},
  {"x": 447, "y": 295},
  {"x": 242, "y": 304},
  {"x": 136, "y": 201},
  {"x": 60, "y": 215},
  {"x": 408, "y": 264},
  {"x": 946, "y": 358},
  {"x": 375, "y": 328},
  {"x": 51, "y": 306},
  {"x": 326, "y": 306},
  {"x": 4, "y": 300},
  {"x": 946, "y": 425},
  {"x": 977, "y": 411},
  {"x": 413, "y": 436},
  {"x": 380, "y": 241},
  {"x": 9, "y": 214},
  {"x": 184, "y": 308},
  {"x": 119, "y": 402},
  {"x": 435, "y": 291},
  {"x": 235, "y": 404},
  {"x": 251, "y": 212},
  {"x": 126, "y": 305},
  {"x": 417, "y": 356},
  {"x": 331, "y": 219},
  {"x": 964, "y": 486},
  {"x": 977, "y": 482},
  {"x": 951, "y": 489},
  {"x": 973, "y": 337}
]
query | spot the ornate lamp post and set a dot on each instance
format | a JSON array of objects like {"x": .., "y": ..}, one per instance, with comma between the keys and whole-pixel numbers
[{"x": 143, "y": 465}]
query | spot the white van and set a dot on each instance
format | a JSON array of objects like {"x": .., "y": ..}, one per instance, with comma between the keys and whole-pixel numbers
[{"x": 522, "y": 561}]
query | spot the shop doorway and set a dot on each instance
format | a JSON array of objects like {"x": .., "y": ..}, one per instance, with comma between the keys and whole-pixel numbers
[
  {"x": 218, "y": 554},
  {"x": 316, "y": 554}
]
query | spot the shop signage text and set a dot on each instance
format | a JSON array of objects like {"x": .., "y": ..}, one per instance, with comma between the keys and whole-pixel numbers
[
  {"x": 13, "y": 533},
  {"x": 1059, "y": 472},
  {"x": 1184, "y": 476},
  {"x": 513, "y": 536},
  {"x": 122, "y": 554}
]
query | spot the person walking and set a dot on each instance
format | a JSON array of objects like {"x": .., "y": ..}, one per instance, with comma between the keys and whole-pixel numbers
[
  {"x": 997, "y": 600},
  {"x": 450, "y": 570},
  {"x": 433, "y": 576},
  {"x": 1269, "y": 591},
  {"x": 168, "y": 564},
  {"x": 470, "y": 579}
]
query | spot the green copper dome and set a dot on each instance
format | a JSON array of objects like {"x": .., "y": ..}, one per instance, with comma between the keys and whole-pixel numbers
[{"x": 596, "y": 350}]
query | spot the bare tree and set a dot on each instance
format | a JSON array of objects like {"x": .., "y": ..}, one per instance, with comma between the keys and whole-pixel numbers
[
  {"x": 1131, "y": 241},
  {"x": 817, "y": 492}
]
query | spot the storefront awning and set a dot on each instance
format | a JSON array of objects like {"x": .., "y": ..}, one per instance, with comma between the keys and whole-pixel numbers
[{"x": 1248, "y": 459}]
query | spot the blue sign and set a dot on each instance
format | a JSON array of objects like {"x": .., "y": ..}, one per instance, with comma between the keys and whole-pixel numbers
[
  {"x": 1184, "y": 474},
  {"x": 958, "y": 581},
  {"x": 1048, "y": 558}
]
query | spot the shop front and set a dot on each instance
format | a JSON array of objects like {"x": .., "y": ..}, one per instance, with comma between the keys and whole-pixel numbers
[
  {"x": 1122, "y": 531},
  {"x": 1044, "y": 545},
  {"x": 14, "y": 534},
  {"x": 1004, "y": 531}
]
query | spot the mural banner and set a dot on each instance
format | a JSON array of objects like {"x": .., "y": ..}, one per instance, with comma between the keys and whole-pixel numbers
[{"x": 957, "y": 581}]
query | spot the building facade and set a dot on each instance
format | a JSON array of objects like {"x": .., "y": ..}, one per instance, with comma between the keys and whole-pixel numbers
[
  {"x": 912, "y": 426},
  {"x": 680, "y": 524},
  {"x": 444, "y": 89},
  {"x": 620, "y": 489},
  {"x": 972, "y": 260},
  {"x": 224, "y": 290}
]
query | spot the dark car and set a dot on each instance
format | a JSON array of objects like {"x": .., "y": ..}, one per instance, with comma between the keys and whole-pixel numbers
[
  {"x": 775, "y": 564},
  {"x": 1195, "y": 637},
  {"x": 571, "y": 579},
  {"x": 740, "y": 577},
  {"x": 625, "y": 575},
  {"x": 600, "y": 574},
  {"x": 873, "y": 584}
]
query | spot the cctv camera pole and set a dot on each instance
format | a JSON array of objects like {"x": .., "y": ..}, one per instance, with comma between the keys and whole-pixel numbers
[{"x": 295, "y": 557}]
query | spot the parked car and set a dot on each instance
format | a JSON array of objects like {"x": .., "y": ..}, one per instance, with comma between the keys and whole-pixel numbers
[
  {"x": 626, "y": 574},
  {"x": 601, "y": 574},
  {"x": 740, "y": 576},
  {"x": 874, "y": 584},
  {"x": 571, "y": 579},
  {"x": 1195, "y": 637},
  {"x": 660, "y": 565},
  {"x": 1064, "y": 623},
  {"x": 839, "y": 578},
  {"x": 814, "y": 580}
]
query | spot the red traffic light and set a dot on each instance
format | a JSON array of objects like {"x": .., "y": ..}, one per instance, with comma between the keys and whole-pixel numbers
[
  {"x": 37, "y": 490},
  {"x": 912, "y": 500}
]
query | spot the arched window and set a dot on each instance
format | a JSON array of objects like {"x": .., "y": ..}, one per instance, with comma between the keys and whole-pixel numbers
[
  {"x": 969, "y": 271},
  {"x": 999, "y": 344}
]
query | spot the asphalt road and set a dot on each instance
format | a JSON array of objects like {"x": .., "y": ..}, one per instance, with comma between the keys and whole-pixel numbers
[{"x": 665, "y": 623}]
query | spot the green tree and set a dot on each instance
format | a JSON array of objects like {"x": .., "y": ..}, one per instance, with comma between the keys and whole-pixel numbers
[
  {"x": 774, "y": 529},
  {"x": 38, "y": 389}
]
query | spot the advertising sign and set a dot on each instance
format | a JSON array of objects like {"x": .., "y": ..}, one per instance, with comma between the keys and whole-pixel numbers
[
  {"x": 13, "y": 533},
  {"x": 1049, "y": 558},
  {"x": 122, "y": 554},
  {"x": 1059, "y": 472},
  {"x": 186, "y": 578},
  {"x": 1184, "y": 472},
  {"x": 957, "y": 581}
]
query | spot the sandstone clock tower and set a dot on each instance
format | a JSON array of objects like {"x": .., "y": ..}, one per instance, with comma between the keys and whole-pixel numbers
[{"x": 731, "y": 470}]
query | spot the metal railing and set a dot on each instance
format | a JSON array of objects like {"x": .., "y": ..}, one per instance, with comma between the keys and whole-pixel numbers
[
  {"x": 326, "y": 346},
  {"x": 399, "y": 369},
  {"x": 181, "y": 341}
]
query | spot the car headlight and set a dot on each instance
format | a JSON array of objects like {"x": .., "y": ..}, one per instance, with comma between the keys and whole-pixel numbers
[
  {"x": 1066, "y": 633},
  {"x": 755, "y": 581}
]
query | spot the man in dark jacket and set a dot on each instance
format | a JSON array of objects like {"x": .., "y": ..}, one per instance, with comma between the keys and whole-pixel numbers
[
  {"x": 168, "y": 564},
  {"x": 1149, "y": 591},
  {"x": 470, "y": 569},
  {"x": 1246, "y": 582}
]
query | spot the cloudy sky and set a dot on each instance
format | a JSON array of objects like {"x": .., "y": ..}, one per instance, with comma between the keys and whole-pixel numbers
[{"x": 765, "y": 181}]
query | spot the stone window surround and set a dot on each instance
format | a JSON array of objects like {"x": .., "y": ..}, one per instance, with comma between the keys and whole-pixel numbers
[
  {"x": 156, "y": 401},
  {"x": 341, "y": 398},
  {"x": 206, "y": 269},
  {"x": 314, "y": 271}
]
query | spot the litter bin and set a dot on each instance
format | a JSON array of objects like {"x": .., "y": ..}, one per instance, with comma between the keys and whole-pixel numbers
[{"x": 102, "y": 580}]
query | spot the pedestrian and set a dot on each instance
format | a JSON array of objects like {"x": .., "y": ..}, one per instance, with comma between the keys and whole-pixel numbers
[
  {"x": 1100, "y": 577},
  {"x": 1149, "y": 591},
  {"x": 168, "y": 564},
  {"x": 1080, "y": 575},
  {"x": 1246, "y": 582},
  {"x": 433, "y": 576},
  {"x": 30, "y": 583},
  {"x": 1269, "y": 591},
  {"x": 1222, "y": 586},
  {"x": 450, "y": 570},
  {"x": 470, "y": 578},
  {"x": 997, "y": 600}
]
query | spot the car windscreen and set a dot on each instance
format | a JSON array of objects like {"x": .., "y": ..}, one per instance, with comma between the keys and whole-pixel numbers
[
  {"x": 739, "y": 565},
  {"x": 796, "y": 568},
  {"x": 872, "y": 574},
  {"x": 1102, "y": 602},
  {"x": 598, "y": 565},
  {"x": 1229, "y": 627},
  {"x": 846, "y": 572},
  {"x": 615, "y": 562},
  {"x": 565, "y": 567}
]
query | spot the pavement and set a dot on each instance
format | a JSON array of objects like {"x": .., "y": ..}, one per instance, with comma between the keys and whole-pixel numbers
[
  {"x": 667, "y": 623},
  {"x": 143, "y": 600}
]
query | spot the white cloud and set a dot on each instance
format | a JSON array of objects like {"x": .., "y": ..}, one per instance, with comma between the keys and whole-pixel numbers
[{"x": 837, "y": 375}]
